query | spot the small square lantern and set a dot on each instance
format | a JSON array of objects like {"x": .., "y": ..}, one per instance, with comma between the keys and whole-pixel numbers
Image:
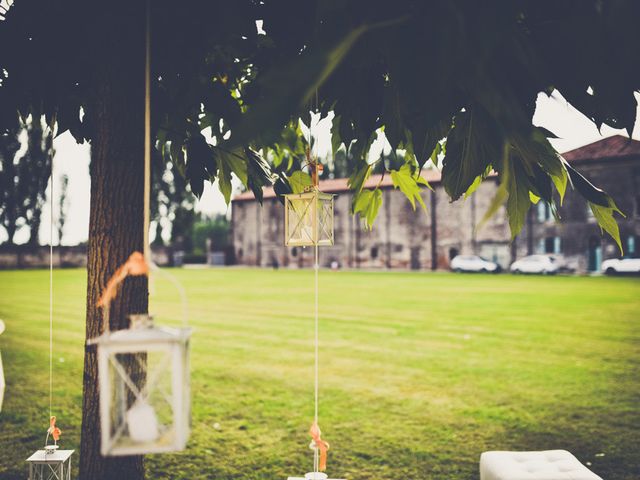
[
  {"x": 143, "y": 373},
  {"x": 308, "y": 219},
  {"x": 50, "y": 465}
]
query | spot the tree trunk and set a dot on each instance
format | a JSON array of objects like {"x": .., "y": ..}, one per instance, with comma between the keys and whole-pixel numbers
[{"x": 116, "y": 212}]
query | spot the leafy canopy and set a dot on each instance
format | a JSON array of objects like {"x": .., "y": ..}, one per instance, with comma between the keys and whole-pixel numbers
[{"x": 421, "y": 71}]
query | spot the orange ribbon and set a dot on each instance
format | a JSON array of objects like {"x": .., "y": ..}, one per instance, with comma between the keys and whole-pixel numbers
[
  {"x": 53, "y": 430},
  {"x": 135, "y": 265},
  {"x": 320, "y": 444}
]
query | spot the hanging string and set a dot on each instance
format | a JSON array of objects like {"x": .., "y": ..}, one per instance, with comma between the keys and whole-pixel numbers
[
  {"x": 316, "y": 466},
  {"x": 147, "y": 136},
  {"x": 51, "y": 278}
]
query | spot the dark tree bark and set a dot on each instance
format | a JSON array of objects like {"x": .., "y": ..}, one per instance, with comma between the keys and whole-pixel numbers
[{"x": 116, "y": 212}]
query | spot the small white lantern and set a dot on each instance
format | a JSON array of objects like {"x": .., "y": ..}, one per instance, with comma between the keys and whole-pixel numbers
[
  {"x": 50, "y": 465},
  {"x": 308, "y": 218},
  {"x": 2, "y": 383},
  {"x": 143, "y": 373}
]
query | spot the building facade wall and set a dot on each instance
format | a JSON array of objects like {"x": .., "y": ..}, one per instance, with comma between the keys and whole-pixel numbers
[
  {"x": 400, "y": 238},
  {"x": 406, "y": 239}
]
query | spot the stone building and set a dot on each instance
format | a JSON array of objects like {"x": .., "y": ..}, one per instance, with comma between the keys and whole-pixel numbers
[{"x": 407, "y": 239}]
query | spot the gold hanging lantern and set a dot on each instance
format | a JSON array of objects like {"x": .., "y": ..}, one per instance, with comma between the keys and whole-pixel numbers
[{"x": 308, "y": 219}]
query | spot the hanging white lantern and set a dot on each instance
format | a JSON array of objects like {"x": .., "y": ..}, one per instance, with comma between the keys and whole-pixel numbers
[
  {"x": 308, "y": 218},
  {"x": 54, "y": 465},
  {"x": 143, "y": 374},
  {"x": 2, "y": 382}
]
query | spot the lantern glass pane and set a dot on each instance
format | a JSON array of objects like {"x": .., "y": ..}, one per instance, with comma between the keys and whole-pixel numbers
[
  {"x": 325, "y": 220},
  {"x": 141, "y": 398},
  {"x": 300, "y": 214},
  {"x": 309, "y": 219}
]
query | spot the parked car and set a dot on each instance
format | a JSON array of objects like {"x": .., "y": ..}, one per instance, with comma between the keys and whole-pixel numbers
[
  {"x": 473, "y": 263},
  {"x": 621, "y": 265},
  {"x": 545, "y": 264}
]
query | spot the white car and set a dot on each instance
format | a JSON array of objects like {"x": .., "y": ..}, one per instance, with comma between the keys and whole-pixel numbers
[
  {"x": 621, "y": 265},
  {"x": 473, "y": 263},
  {"x": 545, "y": 264}
]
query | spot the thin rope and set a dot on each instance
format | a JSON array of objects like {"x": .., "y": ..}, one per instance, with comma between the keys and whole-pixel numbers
[
  {"x": 317, "y": 363},
  {"x": 51, "y": 283},
  {"x": 147, "y": 137},
  {"x": 147, "y": 151},
  {"x": 316, "y": 459}
]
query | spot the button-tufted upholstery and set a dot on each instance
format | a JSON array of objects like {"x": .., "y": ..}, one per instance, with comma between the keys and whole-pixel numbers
[{"x": 546, "y": 465}]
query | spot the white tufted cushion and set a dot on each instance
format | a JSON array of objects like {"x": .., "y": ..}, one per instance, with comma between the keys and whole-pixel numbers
[{"x": 547, "y": 465}]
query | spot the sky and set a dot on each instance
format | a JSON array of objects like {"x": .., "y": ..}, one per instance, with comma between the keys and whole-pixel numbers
[{"x": 72, "y": 159}]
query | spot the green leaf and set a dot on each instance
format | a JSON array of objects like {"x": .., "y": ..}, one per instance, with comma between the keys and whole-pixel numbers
[
  {"x": 359, "y": 177},
  {"x": 230, "y": 162},
  {"x": 536, "y": 150},
  {"x": 200, "y": 162},
  {"x": 407, "y": 183},
  {"x": 589, "y": 191},
  {"x": 473, "y": 144},
  {"x": 258, "y": 173},
  {"x": 501, "y": 193},
  {"x": 367, "y": 203},
  {"x": 606, "y": 221},
  {"x": 298, "y": 180},
  {"x": 518, "y": 202},
  {"x": 336, "y": 139},
  {"x": 601, "y": 204},
  {"x": 534, "y": 198}
]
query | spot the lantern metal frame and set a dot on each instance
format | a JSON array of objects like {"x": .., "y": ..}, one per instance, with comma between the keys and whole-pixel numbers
[
  {"x": 50, "y": 465},
  {"x": 308, "y": 219},
  {"x": 137, "y": 343}
]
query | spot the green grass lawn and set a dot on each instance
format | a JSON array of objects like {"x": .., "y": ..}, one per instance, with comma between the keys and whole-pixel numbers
[{"x": 420, "y": 372}]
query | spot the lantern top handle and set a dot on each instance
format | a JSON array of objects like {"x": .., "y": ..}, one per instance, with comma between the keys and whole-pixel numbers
[{"x": 136, "y": 265}]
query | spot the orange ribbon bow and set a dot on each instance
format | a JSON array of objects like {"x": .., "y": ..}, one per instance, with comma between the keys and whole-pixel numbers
[
  {"x": 53, "y": 430},
  {"x": 320, "y": 444},
  {"x": 135, "y": 265}
]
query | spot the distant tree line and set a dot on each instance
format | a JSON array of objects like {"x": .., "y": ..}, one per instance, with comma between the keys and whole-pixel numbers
[{"x": 26, "y": 150}]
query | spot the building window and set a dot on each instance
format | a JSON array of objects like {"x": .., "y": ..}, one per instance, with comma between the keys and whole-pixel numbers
[
  {"x": 550, "y": 245},
  {"x": 453, "y": 253},
  {"x": 544, "y": 211},
  {"x": 398, "y": 247},
  {"x": 374, "y": 252},
  {"x": 557, "y": 245},
  {"x": 294, "y": 252},
  {"x": 631, "y": 245}
]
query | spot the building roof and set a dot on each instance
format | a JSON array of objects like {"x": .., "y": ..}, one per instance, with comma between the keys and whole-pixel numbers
[
  {"x": 336, "y": 185},
  {"x": 617, "y": 146}
]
